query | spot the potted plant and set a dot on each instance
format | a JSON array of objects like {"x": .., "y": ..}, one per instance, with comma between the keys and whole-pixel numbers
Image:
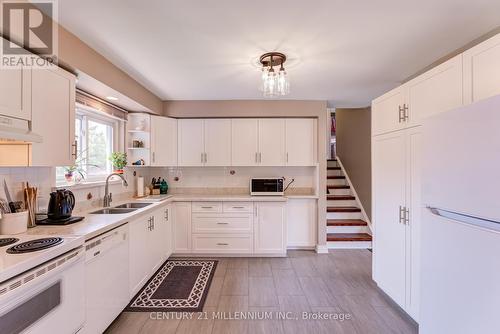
[
  {"x": 119, "y": 160},
  {"x": 78, "y": 168}
]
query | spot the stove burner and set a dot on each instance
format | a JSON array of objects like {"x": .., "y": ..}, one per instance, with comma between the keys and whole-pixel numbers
[
  {"x": 34, "y": 245},
  {"x": 7, "y": 241}
]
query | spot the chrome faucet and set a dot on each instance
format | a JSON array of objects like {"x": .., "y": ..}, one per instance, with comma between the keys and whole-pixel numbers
[{"x": 108, "y": 198}]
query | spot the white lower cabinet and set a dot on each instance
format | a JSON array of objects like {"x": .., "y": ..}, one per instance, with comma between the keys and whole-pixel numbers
[
  {"x": 222, "y": 243},
  {"x": 301, "y": 223},
  {"x": 270, "y": 228},
  {"x": 230, "y": 228},
  {"x": 149, "y": 245},
  {"x": 182, "y": 227}
]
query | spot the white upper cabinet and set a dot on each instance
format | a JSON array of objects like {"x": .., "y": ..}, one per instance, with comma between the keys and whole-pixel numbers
[
  {"x": 53, "y": 117},
  {"x": 217, "y": 142},
  {"x": 482, "y": 70},
  {"x": 190, "y": 142},
  {"x": 435, "y": 91},
  {"x": 245, "y": 142},
  {"x": 387, "y": 112},
  {"x": 299, "y": 141},
  {"x": 163, "y": 141},
  {"x": 15, "y": 93},
  {"x": 272, "y": 142}
]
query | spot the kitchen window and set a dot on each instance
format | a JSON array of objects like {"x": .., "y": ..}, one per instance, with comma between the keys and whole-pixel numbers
[{"x": 97, "y": 136}]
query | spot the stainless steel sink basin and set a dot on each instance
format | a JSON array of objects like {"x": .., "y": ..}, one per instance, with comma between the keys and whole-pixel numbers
[
  {"x": 113, "y": 211},
  {"x": 133, "y": 205}
]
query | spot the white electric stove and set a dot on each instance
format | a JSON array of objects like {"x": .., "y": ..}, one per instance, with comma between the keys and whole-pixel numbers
[{"x": 41, "y": 284}]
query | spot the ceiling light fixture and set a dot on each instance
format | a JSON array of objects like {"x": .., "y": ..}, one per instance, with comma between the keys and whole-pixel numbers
[
  {"x": 111, "y": 98},
  {"x": 274, "y": 84}
]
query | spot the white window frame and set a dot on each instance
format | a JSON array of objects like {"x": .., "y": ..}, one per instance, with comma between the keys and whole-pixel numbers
[{"x": 117, "y": 125}]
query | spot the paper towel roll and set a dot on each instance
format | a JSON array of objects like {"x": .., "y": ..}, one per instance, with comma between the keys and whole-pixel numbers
[{"x": 140, "y": 186}]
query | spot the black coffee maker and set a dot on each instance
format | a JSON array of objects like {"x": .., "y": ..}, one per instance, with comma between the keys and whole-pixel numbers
[{"x": 61, "y": 204}]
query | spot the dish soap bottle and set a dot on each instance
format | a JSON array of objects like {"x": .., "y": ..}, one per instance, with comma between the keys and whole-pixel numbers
[{"x": 163, "y": 187}]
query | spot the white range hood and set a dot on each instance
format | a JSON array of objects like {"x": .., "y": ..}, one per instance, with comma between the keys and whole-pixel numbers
[{"x": 12, "y": 129}]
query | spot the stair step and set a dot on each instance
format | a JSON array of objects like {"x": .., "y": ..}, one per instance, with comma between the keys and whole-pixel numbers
[
  {"x": 342, "y": 209},
  {"x": 346, "y": 222},
  {"x": 348, "y": 237},
  {"x": 335, "y": 177},
  {"x": 340, "y": 198},
  {"x": 331, "y": 186},
  {"x": 333, "y": 168}
]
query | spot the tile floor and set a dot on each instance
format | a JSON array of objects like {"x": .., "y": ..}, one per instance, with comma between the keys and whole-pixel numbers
[{"x": 335, "y": 284}]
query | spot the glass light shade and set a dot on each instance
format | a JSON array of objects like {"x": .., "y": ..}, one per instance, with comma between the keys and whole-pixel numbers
[{"x": 274, "y": 84}]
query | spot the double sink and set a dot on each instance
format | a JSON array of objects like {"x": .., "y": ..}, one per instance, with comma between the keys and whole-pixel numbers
[{"x": 121, "y": 209}]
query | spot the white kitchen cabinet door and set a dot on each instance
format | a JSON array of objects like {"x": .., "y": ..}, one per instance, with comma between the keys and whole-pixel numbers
[
  {"x": 435, "y": 91},
  {"x": 270, "y": 228},
  {"x": 53, "y": 117},
  {"x": 385, "y": 111},
  {"x": 163, "y": 141},
  {"x": 158, "y": 238},
  {"x": 272, "y": 142},
  {"x": 299, "y": 142},
  {"x": 15, "y": 93},
  {"x": 301, "y": 222},
  {"x": 168, "y": 238},
  {"x": 217, "y": 142},
  {"x": 414, "y": 203},
  {"x": 482, "y": 70},
  {"x": 190, "y": 142},
  {"x": 389, "y": 187},
  {"x": 182, "y": 227},
  {"x": 245, "y": 142},
  {"x": 140, "y": 250}
]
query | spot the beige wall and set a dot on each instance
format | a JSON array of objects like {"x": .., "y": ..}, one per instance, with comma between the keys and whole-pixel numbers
[
  {"x": 266, "y": 108},
  {"x": 354, "y": 150}
]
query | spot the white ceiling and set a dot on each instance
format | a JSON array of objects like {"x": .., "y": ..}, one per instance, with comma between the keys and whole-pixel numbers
[{"x": 346, "y": 52}]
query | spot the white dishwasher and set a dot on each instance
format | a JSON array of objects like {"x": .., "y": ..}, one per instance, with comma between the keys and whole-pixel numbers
[{"x": 106, "y": 278}]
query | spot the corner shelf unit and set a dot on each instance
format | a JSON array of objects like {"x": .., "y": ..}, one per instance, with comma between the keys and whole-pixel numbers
[{"x": 138, "y": 128}]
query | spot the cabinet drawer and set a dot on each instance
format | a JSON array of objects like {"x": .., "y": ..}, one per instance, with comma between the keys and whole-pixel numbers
[
  {"x": 222, "y": 223},
  {"x": 238, "y": 207},
  {"x": 207, "y": 207},
  {"x": 235, "y": 243}
]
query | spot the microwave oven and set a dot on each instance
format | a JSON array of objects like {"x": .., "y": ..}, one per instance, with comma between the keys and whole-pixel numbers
[{"x": 268, "y": 186}]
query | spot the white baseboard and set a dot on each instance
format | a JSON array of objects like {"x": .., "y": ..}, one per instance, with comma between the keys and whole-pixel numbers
[{"x": 322, "y": 249}]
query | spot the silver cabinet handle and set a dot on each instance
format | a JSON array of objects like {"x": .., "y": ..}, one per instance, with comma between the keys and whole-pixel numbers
[
  {"x": 75, "y": 149},
  {"x": 256, "y": 157},
  {"x": 201, "y": 157},
  {"x": 407, "y": 216},
  {"x": 222, "y": 244},
  {"x": 166, "y": 214},
  {"x": 401, "y": 214},
  {"x": 406, "y": 115},
  {"x": 154, "y": 158},
  {"x": 238, "y": 207},
  {"x": 401, "y": 110},
  {"x": 207, "y": 207},
  {"x": 287, "y": 157},
  {"x": 222, "y": 223},
  {"x": 206, "y": 157},
  {"x": 260, "y": 157}
]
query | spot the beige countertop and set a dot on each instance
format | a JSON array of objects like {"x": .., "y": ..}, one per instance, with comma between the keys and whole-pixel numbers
[{"x": 96, "y": 224}]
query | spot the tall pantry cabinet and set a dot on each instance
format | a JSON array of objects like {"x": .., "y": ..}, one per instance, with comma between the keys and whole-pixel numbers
[{"x": 397, "y": 117}]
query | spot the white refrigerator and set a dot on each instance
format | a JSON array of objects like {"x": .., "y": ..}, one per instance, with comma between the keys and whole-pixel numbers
[{"x": 460, "y": 232}]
